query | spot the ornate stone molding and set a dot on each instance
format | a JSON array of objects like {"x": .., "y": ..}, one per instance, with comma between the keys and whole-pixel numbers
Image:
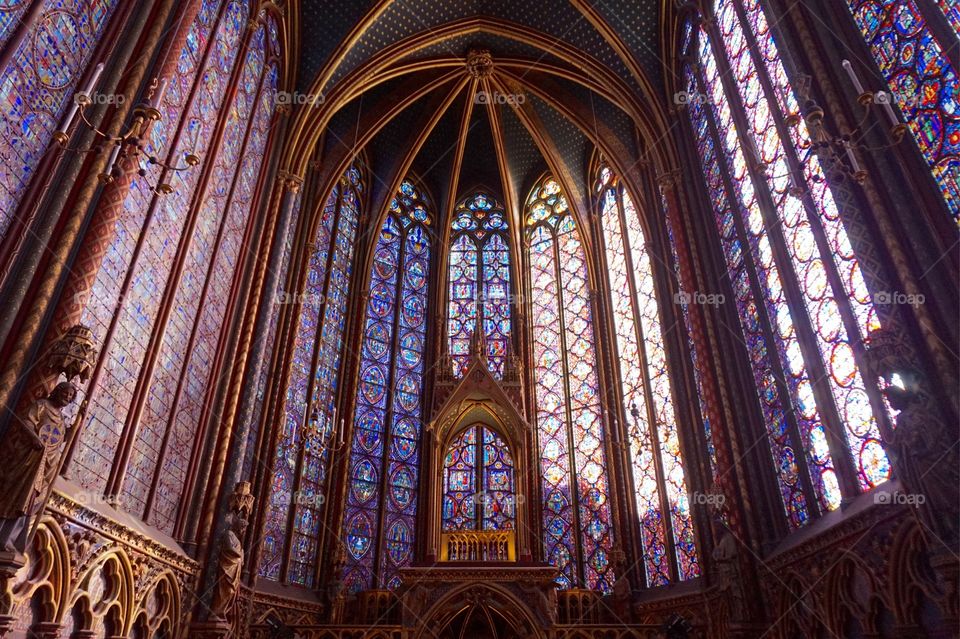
[{"x": 67, "y": 511}]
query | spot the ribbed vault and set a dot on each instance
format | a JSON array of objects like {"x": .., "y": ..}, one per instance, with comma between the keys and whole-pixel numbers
[{"x": 565, "y": 80}]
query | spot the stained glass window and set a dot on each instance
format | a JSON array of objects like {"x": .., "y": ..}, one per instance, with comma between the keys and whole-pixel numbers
[
  {"x": 660, "y": 489},
  {"x": 310, "y": 427},
  {"x": 165, "y": 312},
  {"x": 379, "y": 528},
  {"x": 577, "y": 525},
  {"x": 781, "y": 230},
  {"x": 478, "y": 482},
  {"x": 479, "y": 276},
  {"x": 37, "y": 86},
  {"x": 921, "y": 79},
  {"x": 195, "y": 94},
  {"x": 190, "y": 337}
]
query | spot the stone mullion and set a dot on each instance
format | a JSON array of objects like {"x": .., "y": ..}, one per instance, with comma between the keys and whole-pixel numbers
[
  {"x": 579, "y": 558},
  {"x": 676, "y": 346},
  {"x": 941, "y": 29},
  {"x": 389, "y": 407},
  {"x": 29, "y": 231},
  {"x": 41, "y": 271},
  {"x": 230, "y": 440},
  {"x": 767, "y": 329},
  {"x": 433, "y": 340},
  {"x": 729, "y": 365},
  {"x": 833, "y": 424},
  {"x": 529, "y": 380},
  {"x": 353, "y": 309},
  {"x": 258, "y": 308},
  {"x": 647, "y": 389},
  {"x": 234, "y": 341},
  {"x": 135, "y": 256},
  {"x": 102, "y": 229},
  {"x": 145, "y": 375},
  {"x": 312, "y": 373},
  {"x": 288, "y": 324},
  {"x": 350, "y": 370},
  {"x": 687, "y": 267}
]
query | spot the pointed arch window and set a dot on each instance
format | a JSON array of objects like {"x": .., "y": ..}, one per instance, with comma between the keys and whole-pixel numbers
[
  {"x": 478, "y": 482},
  {"x": 921, "y": 78},
  {"x": 660, "y": 487},
  {"x": 803, "y": 303},
  {"x": 576, "y": 513},
  {"x": 381, "y": 503},
  {"x": 479, "y": 276},
  {"x": 301, "y": 463}
]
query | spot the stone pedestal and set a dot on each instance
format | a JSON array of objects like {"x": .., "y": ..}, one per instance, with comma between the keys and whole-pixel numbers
[
  {"x": 213, "y": 629},
  {"x": 10, "y": 565}
]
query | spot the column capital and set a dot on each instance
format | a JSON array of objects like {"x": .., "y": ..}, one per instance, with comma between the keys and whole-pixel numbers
[
  {"x": 668, "y": 179},
  {"x": 289, "y": 180}
]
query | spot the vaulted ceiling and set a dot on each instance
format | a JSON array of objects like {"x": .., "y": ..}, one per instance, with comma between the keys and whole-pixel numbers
[{"x": 548, "y": 83}]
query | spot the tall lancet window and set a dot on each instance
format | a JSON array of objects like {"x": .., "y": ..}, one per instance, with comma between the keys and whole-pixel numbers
[
  {"x": 38, "y": 83},
  {"x": 921, "y": 78},
  {"x": 576, "y": 513},
  {"x": 310, "y": 428},
  {"x": 660, "y": 488},
  {"x": 803, "y": 303},
  {"x": 479, "y": 275},
  {"x": 381, "y": 505},
  {"x": 162, "y": 296}
]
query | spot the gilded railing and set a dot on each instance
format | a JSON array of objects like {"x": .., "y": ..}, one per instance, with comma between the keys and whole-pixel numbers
[{"x": 478, "y": 546}]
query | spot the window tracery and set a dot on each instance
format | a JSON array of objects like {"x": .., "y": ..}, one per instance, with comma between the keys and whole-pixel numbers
[{"x": 380, "y": 513}]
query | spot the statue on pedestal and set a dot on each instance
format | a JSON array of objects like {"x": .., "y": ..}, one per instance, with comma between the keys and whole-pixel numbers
[
  {"x": 921, "y": 445},
  {"x": 31, "y": 450},
  {"x": 726, "y": 570},
  {"x": 229, "y": 568},
  {"x": 621, "y": 587},
  {"x": 231, "y": 555}
]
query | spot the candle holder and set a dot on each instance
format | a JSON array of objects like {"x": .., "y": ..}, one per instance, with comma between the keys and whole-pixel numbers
[
  {"x": 842, "y": 149},
  {"x": 131, "y": 143},
  {"x": 325, "y": 436}
]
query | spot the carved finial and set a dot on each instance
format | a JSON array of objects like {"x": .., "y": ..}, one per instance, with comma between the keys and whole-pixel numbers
[
  {"x": 479, "y": 63},
  {"x": 478, "y": 341}
]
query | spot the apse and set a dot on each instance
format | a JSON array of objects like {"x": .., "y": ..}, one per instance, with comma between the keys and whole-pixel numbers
[{"x": 409, "y": 318}]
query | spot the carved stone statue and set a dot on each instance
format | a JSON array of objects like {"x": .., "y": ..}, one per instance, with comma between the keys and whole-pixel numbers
[
  {"x": 621, "y": 587},
  {"x": 925, "y": 462},
  {"x": 727, "y": 572},
  {"x": 30, "y": 450},
  {"x": 542, "y": 597},
  {"x": 923, "y": 456},
  {"x": 229, "y": 568},
  {"x": 415, "y": 605}
]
